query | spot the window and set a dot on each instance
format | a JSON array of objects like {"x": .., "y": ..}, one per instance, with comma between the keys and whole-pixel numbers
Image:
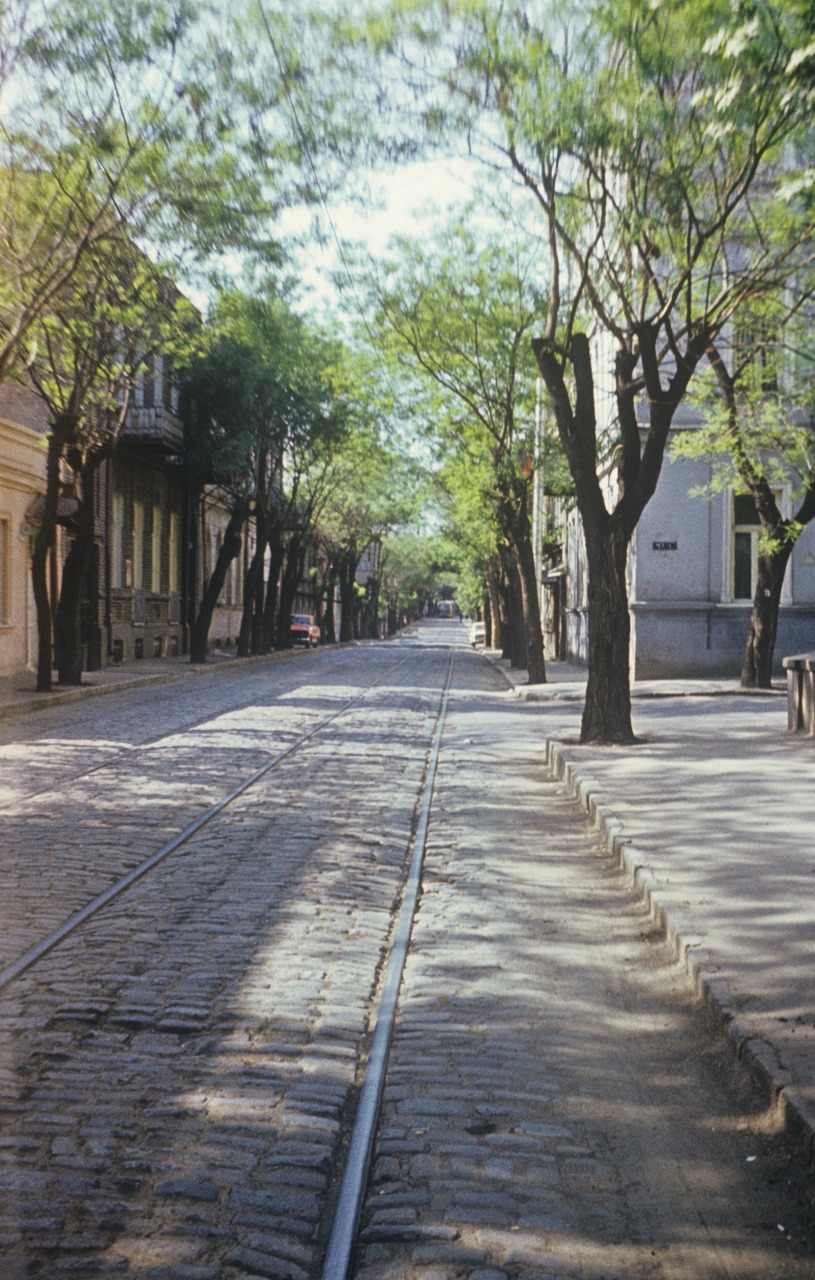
[
  {"x": 148, "y": 382},
  {"x": 744, "y": 555},
  {"x": 758, "y": 345},
  {"x": 218, "y": 542},
  {"x": 155, "y": 558},
  {"x": 4, "y": 570},
  {"x": 174, "y": 550},
  {"x": 138, "y": 545},
  {"x": 117, "y": 548}
]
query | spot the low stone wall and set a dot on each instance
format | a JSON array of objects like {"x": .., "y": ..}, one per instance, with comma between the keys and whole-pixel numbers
[{"x": 800, "y": 671}]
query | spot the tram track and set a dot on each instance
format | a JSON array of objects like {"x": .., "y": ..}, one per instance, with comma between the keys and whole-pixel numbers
[
  {"x": 10, "y": 971},
  {"x": 131, "y": 751},
  {"x": 113, "y": 1008},
  {"x": 351, "y": 1194}
]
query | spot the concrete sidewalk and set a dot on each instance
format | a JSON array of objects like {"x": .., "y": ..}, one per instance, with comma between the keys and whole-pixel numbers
[
  {"x": 18, "y": 693},
  {"x": 712, "y": 814}
]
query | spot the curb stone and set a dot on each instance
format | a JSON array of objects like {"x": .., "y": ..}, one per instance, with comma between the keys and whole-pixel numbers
[
  {"x": 27, "y": 701},
  {"x": 795, "y": 1112}
]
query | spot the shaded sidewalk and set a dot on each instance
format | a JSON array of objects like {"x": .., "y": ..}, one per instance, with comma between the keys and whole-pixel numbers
[{"x": 712, "y": 816}]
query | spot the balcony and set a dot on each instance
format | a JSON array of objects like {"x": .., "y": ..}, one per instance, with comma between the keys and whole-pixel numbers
[{"x": 155, "y": 429}]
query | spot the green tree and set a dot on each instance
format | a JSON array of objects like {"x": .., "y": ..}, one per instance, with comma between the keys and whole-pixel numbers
[
  {"x": 87, "y": 353},
  {"x": 217, "y": 384},
  {"x": 414, "y": 566},
  {"x": 470, "y": 526},
  {"x": 462, "y": 314},
  {"x": 757, "y": 405},
  {"x": 117, "y": 117},
  {"x": 124, "y": 125},
  {"x": 649, "y": 139},
  {"x": 268, "y": 410},
  {"x": 280, "y": 407},
  {"x": 373, "y": 492}
]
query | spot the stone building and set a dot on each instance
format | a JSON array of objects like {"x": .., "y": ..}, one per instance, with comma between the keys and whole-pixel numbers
[
  {"x": 155, "y": 536},
  {"x": 691, "y": 578}
]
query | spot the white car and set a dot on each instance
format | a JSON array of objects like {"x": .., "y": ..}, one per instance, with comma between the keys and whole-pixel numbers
[{"x": 478, "y": 634}]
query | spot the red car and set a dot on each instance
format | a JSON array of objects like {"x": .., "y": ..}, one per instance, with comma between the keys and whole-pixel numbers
[{"x": 304, "y": 630}]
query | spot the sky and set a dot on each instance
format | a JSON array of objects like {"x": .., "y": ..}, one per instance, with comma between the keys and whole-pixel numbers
[{"x": 408, "y": 202}]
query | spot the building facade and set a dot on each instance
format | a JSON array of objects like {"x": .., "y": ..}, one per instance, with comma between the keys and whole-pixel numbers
[
  {"x": 22, "y": 481},
  {"x": 691, "y": 580}
]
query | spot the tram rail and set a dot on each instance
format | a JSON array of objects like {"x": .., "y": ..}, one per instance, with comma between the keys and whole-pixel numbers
[
  {"x": 55, "y": 936},
  {"x": 372, "y": 1048},
  {"x": 127, "y": 751}
]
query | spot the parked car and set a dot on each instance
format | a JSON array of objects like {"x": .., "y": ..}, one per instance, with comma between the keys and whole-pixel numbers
[
  {"x": 304, "y": 630},
  {"x": 478, "y": 634}
]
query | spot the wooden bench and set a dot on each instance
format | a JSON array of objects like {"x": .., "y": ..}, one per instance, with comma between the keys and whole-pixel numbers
[{"x": 800, "y": 671}]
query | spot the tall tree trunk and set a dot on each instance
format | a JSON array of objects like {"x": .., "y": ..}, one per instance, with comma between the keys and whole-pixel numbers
[
  {"x": 292, "y": 576},
  {"x": 43, "y": 545},
  {"x": 513, "y": 630},
  {"x": 505, "y": 595},
  {"x": 272, "y": 591},
  {"x": 757, "y": 667},
  {"x": 68, "y": 626},
  {"x": 250, "y": 635},
  {"x": 230, "y": 548},
  {"x": 513, "y": 518},
  {"x": 516, "y": 633},
  {"x": 330, "y": 629},
  {"x": 607, "y": 713},
  {"x": 518, "y": 658},
  {"x": 493, "y": 633},
  {"x": 530, "y": 602},
  {"x": 607, "y": 710},
  {"x": 370, "y": 616},
  {"x": 347, "y": 580}
]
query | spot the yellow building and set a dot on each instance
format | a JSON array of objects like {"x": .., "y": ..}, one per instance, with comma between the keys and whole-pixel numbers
[{"x": 22, "y": 481}]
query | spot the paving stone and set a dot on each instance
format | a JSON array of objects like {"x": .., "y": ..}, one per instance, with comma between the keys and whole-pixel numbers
[
  {"x": 188, "y": 1189},
  {"x": 455, "y": 1254},
  {"x": 264, "y": 1264}
]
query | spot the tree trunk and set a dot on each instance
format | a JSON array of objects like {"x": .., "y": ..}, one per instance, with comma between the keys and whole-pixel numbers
[
  {"x": 369, "y": 624},
  {"x": 272, "y": 591},
  {"x": 757, "y": 667},
  {"x": 330, "y": 627},
  {"x": 607, "y": 712},
  {"x": 512, "y": 632},
  {"x": 68, "y": 626},
  {"x": 346, "y": 576},
  {"x": 518, "y": 658},
  {"x": 39, "y": 580},
  {"x": 513, "y": 518},
  {"x": 292, "y": 575},
  {"x": 250, "y": 638},
  {"x": 492, "y": 638},
  {"x": 505, "y": 594},
  {"x": 43, "y": 544},
  {"x": 530, "y": 602},
  {"x": 230, "y": 548}
]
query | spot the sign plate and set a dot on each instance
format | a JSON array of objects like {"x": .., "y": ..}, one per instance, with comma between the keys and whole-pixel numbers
[{"x": 665, "y": 546}]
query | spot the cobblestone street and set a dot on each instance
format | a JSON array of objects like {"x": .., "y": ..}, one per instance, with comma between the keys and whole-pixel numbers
[{"x": 178, "y": 1076}]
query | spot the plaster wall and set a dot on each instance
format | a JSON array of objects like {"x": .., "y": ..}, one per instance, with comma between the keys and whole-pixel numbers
[
  {"x": 22, "y": 478},
  {"x": 684, "y": 620}
]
